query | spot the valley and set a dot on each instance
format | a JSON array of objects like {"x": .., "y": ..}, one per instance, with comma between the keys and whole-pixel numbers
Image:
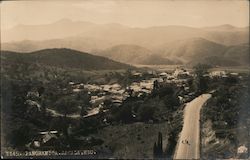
[
  {"x": 125, "y": 79},
  {"x": 100, "y": 109}
]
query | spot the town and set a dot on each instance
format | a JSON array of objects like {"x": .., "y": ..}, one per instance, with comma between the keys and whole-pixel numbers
[
  {"x": 125, "y": 79},
  {"x": 100, "y": 100}
]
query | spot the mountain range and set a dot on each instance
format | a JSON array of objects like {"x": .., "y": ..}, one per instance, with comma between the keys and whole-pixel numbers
[
  {"x": 199, "y": 50},
  {"x": 120, "y": 34},
  {"x": 63, "y": 58},
  {"x": 188, "y": 51},
  {"x": 219, "y": 45}
]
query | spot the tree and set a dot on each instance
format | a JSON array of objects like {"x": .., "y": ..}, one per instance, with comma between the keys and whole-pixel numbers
[
  {"x": 171, "y": 142},
  {"x": 66, "y": 105},
  {"x": 200, "y": 81},
  {"x": 40, "y": 90},
  {"x": 107, "y": 103},
  {"x": 166, "y": 90},
  {"x": 171, "y": 101},
  {"x": 160, "y": 142},
  {"x": 231, "y": 80},
  {"x": 157, "y": 150},
  {"x": 84, "y": 99},
  {"x": 127, "y": 80},
  {"x": 201, "y": 69},
  {"x": 21, "y": 136},
  {"x": 156, "y": 85},
  {"x": 146, "y": 113},
  {"x": 125, "y": 114}
]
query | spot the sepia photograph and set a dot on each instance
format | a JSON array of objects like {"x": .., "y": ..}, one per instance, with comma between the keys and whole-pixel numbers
[{"x": 125, "y": 79}]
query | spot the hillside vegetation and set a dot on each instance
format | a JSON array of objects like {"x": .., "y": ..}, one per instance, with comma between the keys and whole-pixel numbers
[{"x": 64, "y": 58}]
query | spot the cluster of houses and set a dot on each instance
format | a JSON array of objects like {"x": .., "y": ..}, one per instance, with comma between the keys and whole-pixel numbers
[
  {"x": 100, "y": 93},
  {"x": 222, "y": 74},
  {"x": 116, "y": 94}
]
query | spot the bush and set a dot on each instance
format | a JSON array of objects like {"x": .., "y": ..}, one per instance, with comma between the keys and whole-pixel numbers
[
  {"x": 66, "y": 105},
  {"x": 22, "y": 135},
  {"x": 123, "y": 114},
  {"x": 146, "y": 113},
  {"x": 171, "y": 101},
  {"x": 168, "y": 90}
]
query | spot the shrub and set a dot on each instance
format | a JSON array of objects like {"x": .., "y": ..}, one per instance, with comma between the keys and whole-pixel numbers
[{"x": 146, "y": 113}]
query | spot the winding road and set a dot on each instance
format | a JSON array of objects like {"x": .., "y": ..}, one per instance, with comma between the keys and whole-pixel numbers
[
  {"x": 189, "y": 139},
  {"x": 91, "y": 112}
]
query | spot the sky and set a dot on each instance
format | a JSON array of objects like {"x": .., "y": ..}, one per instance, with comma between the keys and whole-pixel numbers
[{"x": 133, "y": 13}]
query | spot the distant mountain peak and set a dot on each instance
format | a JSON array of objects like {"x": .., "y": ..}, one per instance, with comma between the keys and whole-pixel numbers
[
  {"x": 227, "y": 26},
  {"x": 222, "y": 27}
]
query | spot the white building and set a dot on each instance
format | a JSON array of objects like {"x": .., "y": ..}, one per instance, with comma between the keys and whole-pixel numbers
[
  {"x": 217, "y": 73},
  {"x": 242, "y": 149},
  {"x": 163, "y": 74}
]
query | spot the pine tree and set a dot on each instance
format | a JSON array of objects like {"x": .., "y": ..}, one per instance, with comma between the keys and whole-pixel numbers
[
  {"x": 155, "y": 149},
  {"x": 160, "y": 143},
  {"x": 158, "y": 151}
]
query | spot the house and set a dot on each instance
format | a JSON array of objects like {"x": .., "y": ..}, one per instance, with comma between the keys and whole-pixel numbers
[
  {"x": 181, "y": 73},
  {"x": 152, "y": 72},
  {"x": 33, "y": 106},
  {"x": 137, "y": 74},
  {"x": 170, "y": 78},
  {"x": 186, "y": 88},
  {"x": 135, "y": 86},
  {"x": 242, "y": 149},
  {"x": 77, "y": 90},
  {"x": 92, "y": 87},
  {"x": 69, "y": 130},
  {"x": 217, "y": 74},
  {"x": 71, "y": 83},
  {"x": 44, "y": 139},
  {"x": 149, "y": 85},
  {"x": 95, "y": 100},
  {"x": 117, "y": 97},
  {"x": 234, "y": 74},
  {"x": 36, "y": 144},
  {"x": 115, "y": 86},
  {"x": 105, "y": 88},
  {"x": 116, "y": 102},
  {"x": 93, "y": 111},
  {"x": 48, "y": 132},
  {"x": 163, "y": 74},
  {"x": 32, "y": 95},
  {"x": 47, "y": 138},
  {"x": 181, "y": 99}
]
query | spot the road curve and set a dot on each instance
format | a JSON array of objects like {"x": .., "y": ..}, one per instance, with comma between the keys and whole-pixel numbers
[{"x": 191, "y": 130}]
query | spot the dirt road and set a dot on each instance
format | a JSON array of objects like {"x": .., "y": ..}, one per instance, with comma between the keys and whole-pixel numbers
[{"x": 189, "y": 140}]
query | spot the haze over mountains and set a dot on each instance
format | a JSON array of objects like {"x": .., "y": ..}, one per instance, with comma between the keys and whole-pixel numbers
[{"x": 219, "y": 45}]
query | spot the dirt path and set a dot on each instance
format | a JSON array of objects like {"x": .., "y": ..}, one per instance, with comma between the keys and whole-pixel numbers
[
  {"x": 189, "y": 141},
  {"x": 91, "y": 112}
]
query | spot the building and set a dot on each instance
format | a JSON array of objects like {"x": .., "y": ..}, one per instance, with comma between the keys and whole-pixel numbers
[
  {"x": 45, "y": 139},
  {"x": 217, "y": 74}
]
